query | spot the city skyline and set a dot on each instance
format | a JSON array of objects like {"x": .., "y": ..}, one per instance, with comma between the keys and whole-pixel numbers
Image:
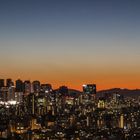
[{"x": 71, "y": 42}]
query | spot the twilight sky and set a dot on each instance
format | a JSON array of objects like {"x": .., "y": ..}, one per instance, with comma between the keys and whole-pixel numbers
[{"x": 71, "y": 42}]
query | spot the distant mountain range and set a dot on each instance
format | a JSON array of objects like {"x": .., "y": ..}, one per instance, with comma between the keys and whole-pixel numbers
[{"x": 124, "y": 92}]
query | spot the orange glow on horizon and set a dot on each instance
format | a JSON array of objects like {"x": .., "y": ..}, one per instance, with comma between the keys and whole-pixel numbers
[
  {"x": 100, "y": 85},
  {"x": 75, "y": 79}
]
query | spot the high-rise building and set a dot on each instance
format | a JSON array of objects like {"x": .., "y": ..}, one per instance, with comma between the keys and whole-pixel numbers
[
  {"x": 9, "y": 82},
  {"x": 47, "y": 88},
  {"x": 19, "y": 85},
  {"x": 89, "y": 89},
  {"x": 11, "y": 93},
  {"x": 18, "y": 97},
  {"x": 4, "y": 94},
  {"x": 101, "y": 103},
  {"x": 121, "y": 121},
  {"x": 36, "y": 86},
  {"x": 31, "y": 103},
  {"x": 27, "y": 87},
  {"x": 1, "y": 83}
]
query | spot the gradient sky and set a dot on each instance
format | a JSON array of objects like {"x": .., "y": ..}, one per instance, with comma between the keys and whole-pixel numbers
[{"x": 71, "y": 42}]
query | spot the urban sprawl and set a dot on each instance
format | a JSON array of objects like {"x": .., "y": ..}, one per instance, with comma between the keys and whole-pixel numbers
[{"x": 35, "y": 111}]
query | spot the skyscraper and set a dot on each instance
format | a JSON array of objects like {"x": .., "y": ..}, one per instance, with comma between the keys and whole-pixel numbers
[
  {"x": 9, "y": 82},
  {"x": 46, "y": 88},
  {"x": 19, "y": 85},
  {"x": 89, "y": 89},
  {"x": 11, "y": 93},
  {"x": 27, "y": 87},
  {"x": 1, "y": 83},
  {"x": 36, "y": 86}
]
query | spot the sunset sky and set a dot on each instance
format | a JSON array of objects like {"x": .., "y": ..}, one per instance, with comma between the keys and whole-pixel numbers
[{"x": 71, "y": 42}]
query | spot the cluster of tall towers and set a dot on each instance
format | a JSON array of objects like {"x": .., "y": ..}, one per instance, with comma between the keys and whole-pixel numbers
[{"x": 11, "y": 90}]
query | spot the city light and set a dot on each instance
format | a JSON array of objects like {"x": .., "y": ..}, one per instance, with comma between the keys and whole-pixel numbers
[{"x": 39, "y": 109}]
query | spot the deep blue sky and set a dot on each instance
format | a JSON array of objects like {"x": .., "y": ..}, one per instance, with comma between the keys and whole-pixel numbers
[{"x": 61, "y": 40}]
